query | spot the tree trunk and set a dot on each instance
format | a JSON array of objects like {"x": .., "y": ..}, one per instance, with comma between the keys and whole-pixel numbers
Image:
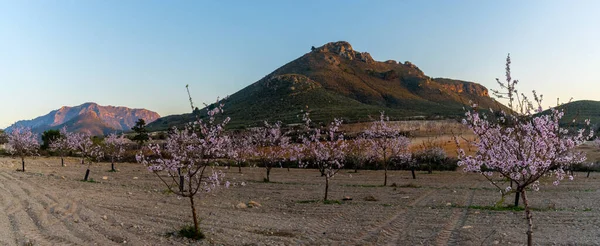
[
  {"x": 240, "y": 167},
  {"x": 412, "y": 170},
  {"x": 268, "y": 174},
  {"x": 87, "y": 174},
  {"x": 529, "y": 216},
  {"x": 517, "y": 198},
  {"x": 588, "y": 175},
  {"x": 196, "y": 226},
  {"x": 326, "y": 187},
  {"x": 62, "y": 161},
  {"x": 385, "y": 168},
  {"x": 181, "y": 180},
  {"x": 385, "y": 176},
  {"x": 112, "y": 164},
  {"x": 23, "y": 163}
]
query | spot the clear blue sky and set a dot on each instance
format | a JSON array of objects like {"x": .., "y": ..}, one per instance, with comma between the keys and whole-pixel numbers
[{"x": 142, "y": 53}]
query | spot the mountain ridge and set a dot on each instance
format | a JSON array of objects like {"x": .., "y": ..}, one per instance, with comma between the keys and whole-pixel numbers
[{"x": 91, "y": 117}]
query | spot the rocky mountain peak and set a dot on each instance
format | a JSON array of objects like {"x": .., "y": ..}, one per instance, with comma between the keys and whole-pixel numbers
[{"x": 344, "y": 49}]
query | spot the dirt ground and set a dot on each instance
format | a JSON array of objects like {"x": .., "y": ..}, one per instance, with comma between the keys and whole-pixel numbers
[{"x": 49, "y": 205}]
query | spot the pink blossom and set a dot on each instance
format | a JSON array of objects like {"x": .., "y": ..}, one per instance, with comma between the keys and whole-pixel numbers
[
  {"x": 22, "y": 142},
  {"x": 325, "y": 150},
  {"x": 386, "y": 142}
]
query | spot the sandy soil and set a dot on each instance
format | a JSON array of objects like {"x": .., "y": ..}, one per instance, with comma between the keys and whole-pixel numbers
[{"x": 49, "y": 205}]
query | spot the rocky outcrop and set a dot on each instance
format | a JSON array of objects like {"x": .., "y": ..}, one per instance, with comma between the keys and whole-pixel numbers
[
  {"x": 414, "y": 67},
  {"x": 467, "y": 87},
  {"x": 344, "y": 49}
]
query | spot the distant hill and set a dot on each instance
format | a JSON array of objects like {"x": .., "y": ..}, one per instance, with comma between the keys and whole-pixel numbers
[
  {"x": 90, "y": 117},
  {"x": 336, "y": 81},
  {"x": 579, "y": 111}
]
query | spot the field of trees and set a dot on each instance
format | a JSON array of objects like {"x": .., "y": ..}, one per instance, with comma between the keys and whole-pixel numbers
[{"x": 50, "y": 205}]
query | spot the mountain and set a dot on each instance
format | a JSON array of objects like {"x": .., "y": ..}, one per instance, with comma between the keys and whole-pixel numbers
[
  {"x": 89, "y": 117},
  {"x": 334, "y": 80}
]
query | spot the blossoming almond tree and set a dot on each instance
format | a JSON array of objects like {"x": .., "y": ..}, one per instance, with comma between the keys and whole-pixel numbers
[
  {"x": 326, "y": 151},
  {"x": 271, "y": 146},
  {"x": 114, "y": 147},
  {"x": 429, "y": 153},
  {"x": 239, "y": 148},
  {"x": 386, "y": 143},
  {"x": 188, "y": 156},
  {"x": 61, "y": 145},
  {"x": 22, "y": 142},
  {"x": 521, "y": 145},
  {"x": 90, "y": 152},
  {"x": 359, "y": 152}
]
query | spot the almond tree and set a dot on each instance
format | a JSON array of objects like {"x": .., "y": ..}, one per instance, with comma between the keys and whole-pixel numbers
[
  {"x": 271, "y": 146},
  {"x": 61, "y": 145},
  {"x": 90, "y": 152},
  {"x": 239, "y": 149},
  {"x": 326, "y": 151},
  {"x": 359, "y": 152},
  {"x": 22, "y": 142},
  {"x": 189, "y": 155},
  {"x": 386, "y": 143},
  {"x": 114, "y": 147},
  {"x": 429, "y": 153},
  {"x": 522, "y": 145}
]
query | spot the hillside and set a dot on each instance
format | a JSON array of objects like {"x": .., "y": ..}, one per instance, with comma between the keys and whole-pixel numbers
[
  {"x": 90, "y": 117},
  {"x": 336, "y": 81},
  {"x": 581, "y": 110}
]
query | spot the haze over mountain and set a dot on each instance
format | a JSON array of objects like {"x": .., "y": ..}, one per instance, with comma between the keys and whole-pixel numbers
[
  {"x": 90, "y": 117},
  {"x": 334, "y": 80}
]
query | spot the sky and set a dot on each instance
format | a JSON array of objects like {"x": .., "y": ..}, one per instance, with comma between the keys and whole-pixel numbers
[{"x": 141, "y": 54}]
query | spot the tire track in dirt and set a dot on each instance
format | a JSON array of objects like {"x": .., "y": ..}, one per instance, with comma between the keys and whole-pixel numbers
[
  {"x": 329, "y": 216},
  {"x": 395, "y": 230},
  {"x": 390, "y": 231},
  {"x": 457, "y": 220},
  {"x": 38, "y": 217},
  {"x": 27, "y": 219},
  {"x": 8, "y": 229}
]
